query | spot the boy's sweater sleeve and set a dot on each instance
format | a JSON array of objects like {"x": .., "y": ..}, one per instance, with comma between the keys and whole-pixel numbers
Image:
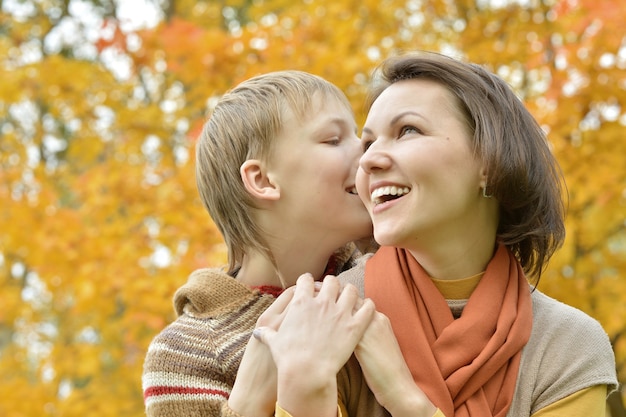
[
  {"x": 191, "y": 365},
  {"x": 180, "y": 378}
]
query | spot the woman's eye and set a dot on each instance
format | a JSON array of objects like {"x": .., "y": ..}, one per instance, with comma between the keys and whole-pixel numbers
[
  {"x": 408, "y": 130},
  {"x": 366, "y": 143},
  {"x": 333, "y": 141}
]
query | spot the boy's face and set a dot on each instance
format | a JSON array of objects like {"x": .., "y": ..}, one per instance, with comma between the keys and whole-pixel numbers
[{"x": 314, "y": 162}]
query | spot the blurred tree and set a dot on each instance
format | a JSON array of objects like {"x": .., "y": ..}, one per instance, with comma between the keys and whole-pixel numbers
[
  {"x": 100, "y": 217},
  {"x": 100, "y": 220}
]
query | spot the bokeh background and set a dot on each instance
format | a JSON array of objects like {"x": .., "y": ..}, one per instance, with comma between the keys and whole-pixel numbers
[{"x": 101, "y": 103}]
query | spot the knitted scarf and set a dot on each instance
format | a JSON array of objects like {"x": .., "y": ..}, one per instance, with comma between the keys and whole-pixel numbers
[{"x": 467, "y": 367}]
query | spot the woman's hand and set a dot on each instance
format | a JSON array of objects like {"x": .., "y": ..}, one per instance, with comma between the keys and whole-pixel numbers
[
  {"x": 387, "y": 374},
  {"x": 317, "y": 336}
]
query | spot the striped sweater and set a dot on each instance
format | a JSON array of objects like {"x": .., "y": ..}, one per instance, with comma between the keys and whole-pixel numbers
[{"x": 190, "y": 367}]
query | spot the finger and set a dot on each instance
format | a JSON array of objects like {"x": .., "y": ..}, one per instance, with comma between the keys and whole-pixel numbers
[
  {"x": 365, "y": 313},
  {"x": 358, "y": 303},
  {"x": 349, "y": 298},
  {"x": 305, "y": 285},
  {"x": 330, "y": 288},
  {"x": 263, "y": 334},
  {"x": 274, "y": 314},
  {"x": 281, "y": 303}
]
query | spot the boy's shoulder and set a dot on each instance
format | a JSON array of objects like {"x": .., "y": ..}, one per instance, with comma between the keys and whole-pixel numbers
[
  {"x": 200, "y": 351},
  {"x": 211, "y": 292}
]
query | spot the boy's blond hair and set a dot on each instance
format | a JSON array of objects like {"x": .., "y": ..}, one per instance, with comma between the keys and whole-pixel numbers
[{"x": 243, "y": 126}]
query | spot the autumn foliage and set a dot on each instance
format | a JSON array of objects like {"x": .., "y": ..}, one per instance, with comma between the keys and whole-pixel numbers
[{"x": 100, "y": 220}]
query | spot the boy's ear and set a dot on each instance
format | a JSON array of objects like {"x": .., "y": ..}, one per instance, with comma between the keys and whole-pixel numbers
[{"x": 257, "y": 182}]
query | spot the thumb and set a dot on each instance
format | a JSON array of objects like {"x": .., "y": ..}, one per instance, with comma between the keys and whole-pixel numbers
[{"x": 263, "y": 334}]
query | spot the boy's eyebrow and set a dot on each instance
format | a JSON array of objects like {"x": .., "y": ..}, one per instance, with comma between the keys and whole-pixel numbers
[{"x": 340, "y": 121}]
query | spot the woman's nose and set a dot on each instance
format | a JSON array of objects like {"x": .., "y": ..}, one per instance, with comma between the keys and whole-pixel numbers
[{"x": 375, "y": 158}]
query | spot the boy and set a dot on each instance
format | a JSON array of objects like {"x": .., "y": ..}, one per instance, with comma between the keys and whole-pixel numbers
[{"x": 276, "y": 164}]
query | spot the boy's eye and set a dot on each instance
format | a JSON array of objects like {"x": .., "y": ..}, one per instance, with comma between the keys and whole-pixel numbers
[
  {"x": 333, "y": 141},
  {"x": 366, "y": 143}
]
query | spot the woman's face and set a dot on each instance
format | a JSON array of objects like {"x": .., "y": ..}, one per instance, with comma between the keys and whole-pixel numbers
[{"x": 418, "y": 176}]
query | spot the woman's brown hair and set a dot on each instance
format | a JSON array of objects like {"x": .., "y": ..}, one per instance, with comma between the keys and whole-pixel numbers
[{"x": 523, "y": 175}]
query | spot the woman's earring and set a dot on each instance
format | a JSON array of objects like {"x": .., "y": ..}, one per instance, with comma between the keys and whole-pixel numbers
[{"x": 485, "y": 193}]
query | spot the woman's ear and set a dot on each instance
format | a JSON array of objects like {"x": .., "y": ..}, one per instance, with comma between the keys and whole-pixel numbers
[
  {"x": 257, "y": 182},
  {"x": 484, "y": 177}
]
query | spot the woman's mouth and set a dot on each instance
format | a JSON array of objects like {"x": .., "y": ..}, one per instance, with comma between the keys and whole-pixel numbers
[{"x": 389, "y": 192}]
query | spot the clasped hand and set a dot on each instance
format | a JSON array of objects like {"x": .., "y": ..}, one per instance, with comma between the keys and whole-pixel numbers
[
  {"x": 320, "y": 324},
  {"x": 311, "y": 331}
]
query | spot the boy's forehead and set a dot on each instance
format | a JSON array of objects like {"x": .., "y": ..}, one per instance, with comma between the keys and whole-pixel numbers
[
  {"x": 319, "y": 117},
  {"x": 320, "y": 104}
]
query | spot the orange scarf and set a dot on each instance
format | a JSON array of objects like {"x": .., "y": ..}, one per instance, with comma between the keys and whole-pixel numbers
[{"x": 467, "y": 367}]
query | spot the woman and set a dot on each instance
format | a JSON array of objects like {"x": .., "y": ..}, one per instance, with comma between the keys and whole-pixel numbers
[{"x": 465, "y": 199}]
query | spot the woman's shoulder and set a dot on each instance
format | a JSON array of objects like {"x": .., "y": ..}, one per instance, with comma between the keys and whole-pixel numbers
[
  {"x": 356, "y": 274},
  {"x": 569, "y": 331},
  {"x": 568, "y": 351},
  {"x": 551, "y": 313}
]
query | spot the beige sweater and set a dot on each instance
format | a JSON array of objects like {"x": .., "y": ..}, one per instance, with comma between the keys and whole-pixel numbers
[{"x": 567, "y": 352}]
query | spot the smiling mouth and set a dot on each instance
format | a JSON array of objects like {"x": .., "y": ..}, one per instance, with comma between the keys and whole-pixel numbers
[{"x": 388, "y": 193}]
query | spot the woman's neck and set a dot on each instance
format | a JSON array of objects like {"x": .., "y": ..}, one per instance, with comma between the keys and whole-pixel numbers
[{"x": 455, "y": 261}]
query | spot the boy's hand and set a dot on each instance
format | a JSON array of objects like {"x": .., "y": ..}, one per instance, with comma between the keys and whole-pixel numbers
[{"x": 318, "y": 333}]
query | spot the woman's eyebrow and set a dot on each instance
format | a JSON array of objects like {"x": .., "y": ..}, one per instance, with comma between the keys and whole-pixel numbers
[
  {"x": 405, "y": 113},
  {"x": 367, "y": 130},
  {"x": 394, "y": 120}
]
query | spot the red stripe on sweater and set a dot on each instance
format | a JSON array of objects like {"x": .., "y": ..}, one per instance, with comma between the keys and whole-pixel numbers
[
  {"x": 165, "y": 390},
  {"x": 269, "y": 289}
]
